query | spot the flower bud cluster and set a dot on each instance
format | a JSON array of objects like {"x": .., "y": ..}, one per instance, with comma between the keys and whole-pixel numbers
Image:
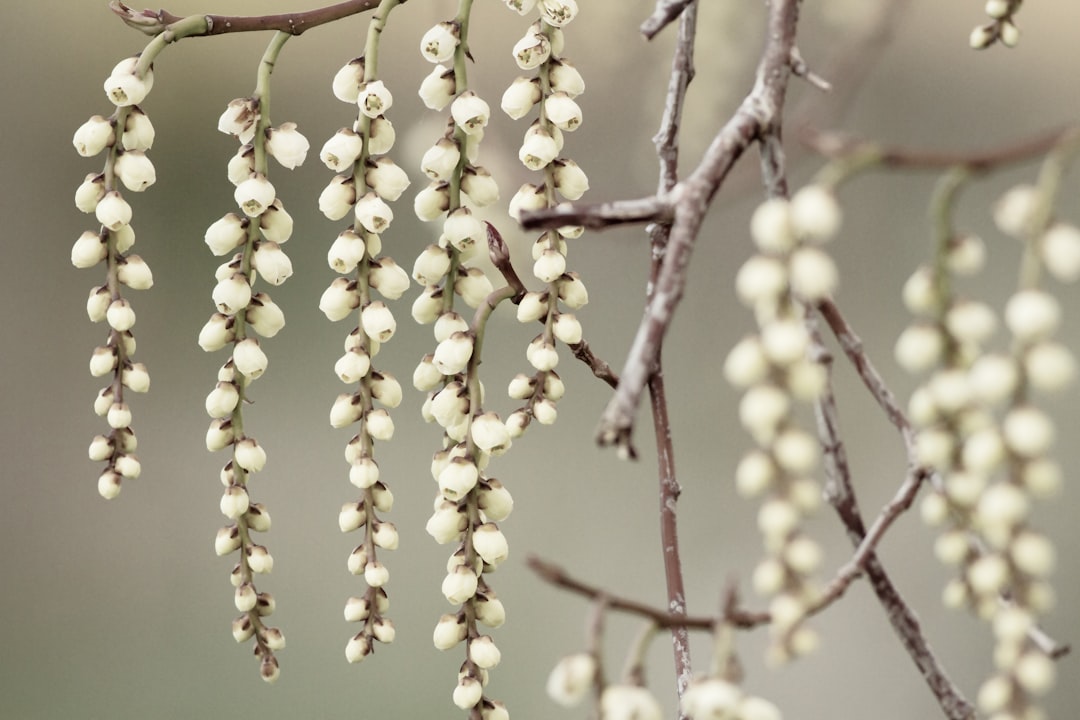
[
  {"x": 124, "y": 137},
  {"x": 1002, "y": 25},
  {"x": 981, "y": 431},
  {"x": 367, "y": 182},
  {"x": 776, "y": 369},
  {"x": 253, "y": 236},
  {"x": 551, "y": 88}
]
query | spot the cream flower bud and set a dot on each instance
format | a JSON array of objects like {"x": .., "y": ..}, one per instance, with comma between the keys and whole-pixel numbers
[
  {"x": 459, "y": 585},
  {"x": 982, "y": 36},
  {"x": 558, "y": 12},
  {"x": 438, "y": 43},
  {"x": 521, "y": 96},
  {"x": 483, "y": 652},
  {"x": 1032, "y": 315},
  {"x": 447, "y": 523},
  {"x": 112, "y": 211},
  {"x": 239, "y": 118},
  {"x": 352, "y": 366},
  {"x": 346, "y": 252},
  {"x": 342, "y": 150},
  {"x": 276, "y": 223},
  {"x": 785, "y": 341},
  {"x": 528, "y": 197},
  {"x": 374, "y": 98},
  {"x": 1009, "y": 33},
  {"x": 124, "y": 88},
  {"x": 232, "y": 294},
  {"x": 1060, "y": 251},
  {"x": 711, "y": 698},
  {"x": 1049, "y": 366},
  {"x": 490, "y": 544},
  {"x": 755, "y": 708},
  {"x": 373, "y": 213},
  {"x": 363, "y": 472},
  {"x": 468, "y": 693},
  {"x": 449, "y": 631},
  {"x": 227, "y": 540},
  {"x": 813, "y": 273},
  {"x": 379, "y": 425},
  {"x": 532, "y": 307},
  {"x": 919, "y": 348},
  {"x": 549, "y": 266},
  {"x": 772, "y": 226},
  {"x": 489, "y": 433},
  {"x": 216, "y": 332},
  {"x": 357, "y": 609},
  {"x": 120, "y": 315},
  {"x": 464, "y": 230},
  {"x": 219, "y": 435},
  {"x": 388, "y": 278},
  {"x": 572, "y": 679},
  {"x": 93, "y": 136},
  {"x": 495, "y": 500},
  {"x": 815, "y": 214},
  {"x": 452, "y": 354},
  {"x": 90, "y": 192},
  {"x": 1028, "y": 431},
  {"x": 386, "y": 389},
  {"x": 136, "y": 378},
  {"x": 478, "y": 184},
  {"x": 241, "y": 165},
  {"x": 521, "y": 7},
  {"x": 431, "y": 265},
  {"x": 347, "y": 80},
  {"x": 272, "y": 263},
  {"x": 138, "y": 131},
  {"x": 427, "y": 306},
  {"x": 562, "y": 111},
  {"x": 920, "y": 295},
  {"x": 971, "y": 321},
  {"x": 572, "y": 291},
  {"x": 250, "y": 455},
  {"x": 629, "y": 702},
  {"x": 570, "y": 179},
  {"x": 287, "y": 145},
  {"x": 470, "y": 112},
  {"x": 97, "y": 304},
  {"x": 538, "y": 149},
  {"x": 358, "y": 647},
  {"x": 1015, "y": 211},
  {"x": 545, "y": 412},
  {"x": 441, "y": 159},
  {"x": 473, "y": 286},
  {"x": 118, "y": 416},
  {"x": 103, "y": 361},
  {"x": 437, "y": 89},
  {"x": 432, "y": 201},
  {"x": 458, "y": 478},
  {"x": 541, "y": 354},
  {"x": 249, "y": 358},
  {"x": 346, "y": 410},
  {"x": 387, "y": 179},
  {"x": 376, "y": 574},
  {"x": 338, "y": 197},
  {"x": 226, "y": 234},
  {"x": 966, "y": 255},
  {"x": 254, "y": 195},
  {"x": 532, "y": 50},
  {"x": 352, "y": 517},
  {"x": 565, "y": 78},
  {"x": 378, "y": 322},
  {"x": 234, "y": 502},
  {"x": 88, "y": 250},
  {"x": 760, "y": 279},
  {"x": 340, "y": 299},
  {"x": 135, "y": 170}
]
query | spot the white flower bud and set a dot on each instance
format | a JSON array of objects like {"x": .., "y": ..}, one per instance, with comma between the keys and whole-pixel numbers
[
  {"x": 1049, "y": 366},
  {"x": 760, "y": 279},
  {"x": 785, "y": 341},
  {"x": 90, "y": 192},
  {"x": 565, "y": 78},
  {"x": 338, "y": 197},
  {"x": 549, "y": 266},
  {"x": 374, "y": 98},
  {"x": 441, "y": 159},
  {"x": 629, "y": 702},
  {"x": 428, "y": 305},
  {"x": 254, "y": 195},
  {"x": 227, "y": 540},
  {"x": 342, "y": 150},
  {"x": 813, "y": 273},
  {"x": 124, "y": 88},
  {"x": 521, "y": 96},
  {"x": 103, "y": 361},
  {"x": 562, "y": 111},
  {"x": 920, "y": 294},
  {"x": 772, "y": 226},
  {"x": 219, "y": 435},
  {"x": 232, "y": 294},
  {"x": 347, "y": 80},
  {"x": 464, "y": 230},
  {"x": 1009, "y": 33},
  {"x": 120, "y": 315},
  {"x": 93, "y": 136},
  {"x": 249, "y": 358},
  {"x": 241, "y": 165},
  {"x": 532, "y": 307},
  {"x": 459, "y": 585},
  {"x": 815, "y": 214},
  {"x": 1015, "y": 211},
  {"x": 755, "y": 708},
  {"x": 532, "y": 50},
  {"x": 138, "y": 131},
  {"x": 1060, "y": 251},
  {"x": 438, "y": 44},
  {"x": 373, "y": 213},
  {"x": 468, "y": 693},
  {"x": 528, "y": 197},
  {"x": 118, "y": 416},
  {"x": 376, "y": 574},
  {"x": 966, "y": 255},
  {"x": 1028, "y": 431},
  {"x": 287, "y": 145},
  {"x": 88, "y": 250},
  {"x": 387, "y": 179},
  {"x": 378, "y": 322},
  {"x": 754, "y": 474},
  {"x": 490, "y": 543},
  {"x": 470, "y": 112},
  {"x": 1033, "y": 554},
  {"x": 572, "y": 679},
  {"x": 458, "y": 477},
  {"x": 276, "y": 223},
  {"x": 449, "y": 631},
  {"x": 478, "y": 184},
  {"x": 346, "y": 410},
  {"x": 541, "y": 354},
  {"x": 226, "y": 234},
  {"x": 567, "y": 328},
  {"x": 711, "y": 698},
  {"x": 517, "y": 423},
  {"x": 379, "y": 424},
  {"x": 234, "y": 502},
  {"x": 352, "y": 517},
  {"x": 250, "y": 455},
  {"x": 340, "y": 299},
  {"x": 136, "y": 378},
  {"x": 545, "y": 412},
  {"x": 538, "y": 149},
  {"x": 988, "y": 574},
  {"x": 473, "y": 286},
  {"x": 272, "y": 263},
  {"x": 570, "y": 179},
  {"x": 483, "y": 652},
  {"x": 437, "y": 88},
  {"x": 239, "y": 119},
  {"x": 1032, "y": 315},
  {"x": 919, "y": 348},
  {"x": 135, "y": 170},
  {"x": 112, "y": 211},
  {"x": 432, "y": 201},
  {"x": 777, "y": 518},
  {"x": 558, "y": 12},
  {"x": 358, "y": 647},
  {"x": 431, "y": 265}
]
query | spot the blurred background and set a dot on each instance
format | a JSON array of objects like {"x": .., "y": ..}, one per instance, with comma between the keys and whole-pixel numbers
[{"x": 121, "y": 609}]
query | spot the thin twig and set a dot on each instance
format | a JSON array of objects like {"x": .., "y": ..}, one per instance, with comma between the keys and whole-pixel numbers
[
  {"x": 841, "y": 494},
  {"x": 153, "y": 22},
  {"x": 665, "y": 13},
  {"x": 598, "y": 216},
  {"x": 757, "y": 113},
  {"x": 560, "y": 578}
]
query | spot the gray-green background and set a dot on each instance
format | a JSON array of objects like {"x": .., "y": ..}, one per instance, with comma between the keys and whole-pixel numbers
[{"x": 121, "y": 610}]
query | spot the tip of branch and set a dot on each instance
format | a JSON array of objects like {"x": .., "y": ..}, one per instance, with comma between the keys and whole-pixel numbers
[
  {"x": 620, "y": 437},
  {"x": 145, "y": 21}
]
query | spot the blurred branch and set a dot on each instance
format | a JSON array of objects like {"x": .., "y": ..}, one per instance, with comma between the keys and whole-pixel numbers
[
  {"x": 153, "y": 22},
  {"x": 665, "y": 13}
]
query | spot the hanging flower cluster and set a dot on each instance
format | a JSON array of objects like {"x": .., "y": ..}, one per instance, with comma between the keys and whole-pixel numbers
[
  {"x": 981, "y": 430},
  {"x": 254, "y": 237},
  {"x": 368, "y": 180},
  {"x": 551, "y": 89},
  {"x": 777, "y": 370},
  {"x": 1002, "y": 25},
  {"x": 125, "y": 137}
]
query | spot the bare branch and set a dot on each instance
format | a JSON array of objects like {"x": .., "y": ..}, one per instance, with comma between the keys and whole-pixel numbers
[
  {"x": 153, "y": 22},
  {"x": 755, "y": 116},
  {"x": 599, "y": 216},
  {"x": 665, "y": 13}
]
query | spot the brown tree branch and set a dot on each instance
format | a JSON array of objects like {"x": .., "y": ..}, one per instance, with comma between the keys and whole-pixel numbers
[
  {"x": 153, "y": 22},
  {"x": 663, "y": 15},
  {"x": 755, "y": 116},
  {"x": 598, "y": 216}
]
